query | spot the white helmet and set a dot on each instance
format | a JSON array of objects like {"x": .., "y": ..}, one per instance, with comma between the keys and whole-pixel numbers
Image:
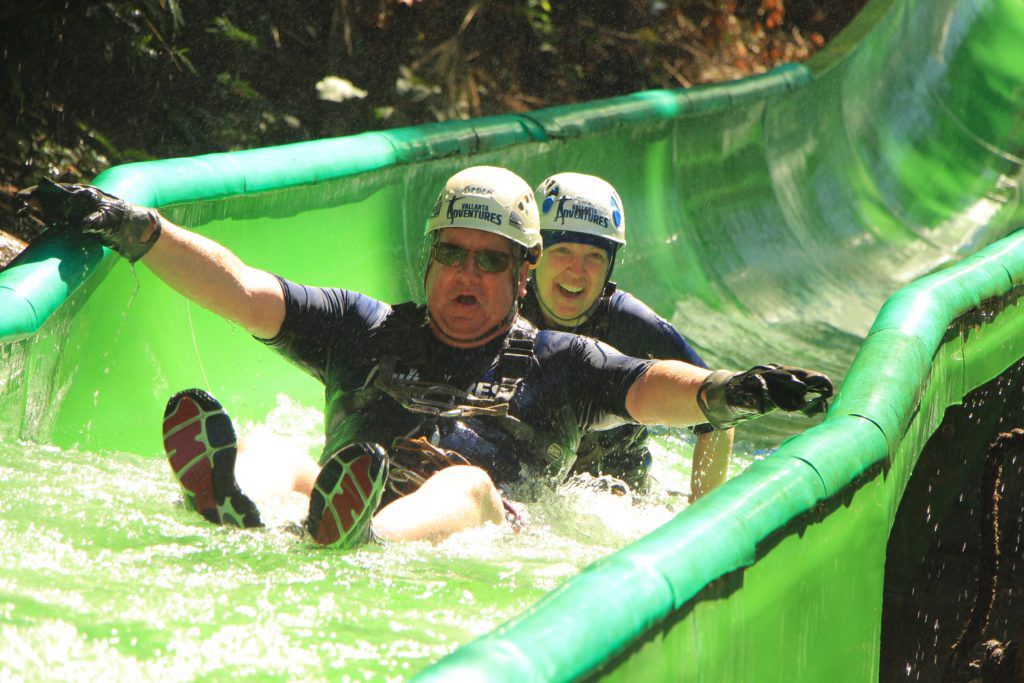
[
  {"x": 491, "y": 199},
  {"x": 574, "y": 202}
]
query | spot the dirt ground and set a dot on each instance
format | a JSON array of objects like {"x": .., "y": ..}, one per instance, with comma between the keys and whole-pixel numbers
[
  {"x": 953, "y": 606},
  {"x": 10, "y": 246}
]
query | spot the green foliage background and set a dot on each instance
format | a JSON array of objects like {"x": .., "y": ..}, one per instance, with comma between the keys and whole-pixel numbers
[{"x": 94, "y": 83}]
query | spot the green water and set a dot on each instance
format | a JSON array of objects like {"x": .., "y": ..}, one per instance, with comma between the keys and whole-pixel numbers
[{"x": 105, "y": 575}]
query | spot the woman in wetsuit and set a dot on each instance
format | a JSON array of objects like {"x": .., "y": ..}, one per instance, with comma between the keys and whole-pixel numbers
[{"x": 583, "y": 225}]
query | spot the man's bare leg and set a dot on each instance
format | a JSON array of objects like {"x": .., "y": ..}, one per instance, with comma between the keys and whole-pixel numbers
[
  {"x": 270, "y": 466},
  {"x": 455, "y": 499}
]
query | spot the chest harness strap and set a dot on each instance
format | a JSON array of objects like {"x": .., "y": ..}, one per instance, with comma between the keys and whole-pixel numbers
[{"x": 438, "y": 399}]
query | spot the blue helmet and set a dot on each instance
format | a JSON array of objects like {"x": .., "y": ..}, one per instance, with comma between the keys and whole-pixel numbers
[{"x": 581, "y": 205}]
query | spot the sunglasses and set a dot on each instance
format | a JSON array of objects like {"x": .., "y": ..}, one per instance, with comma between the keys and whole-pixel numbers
[{"x": 488, "y": 261}]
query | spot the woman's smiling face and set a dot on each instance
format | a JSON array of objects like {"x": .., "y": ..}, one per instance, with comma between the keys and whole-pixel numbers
[{"x": 569, "y": 279}]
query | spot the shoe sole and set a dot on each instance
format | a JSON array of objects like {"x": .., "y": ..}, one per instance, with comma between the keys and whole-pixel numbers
[
  {"x": 346, "y": 495},
  {"x": 201, "y": 448}
]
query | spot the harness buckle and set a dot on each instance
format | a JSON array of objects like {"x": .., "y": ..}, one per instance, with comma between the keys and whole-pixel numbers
[{"x": 451, "y": 409}]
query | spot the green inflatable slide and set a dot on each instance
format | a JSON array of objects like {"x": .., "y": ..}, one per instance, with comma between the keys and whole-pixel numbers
[{"x": 854, "y": 214}]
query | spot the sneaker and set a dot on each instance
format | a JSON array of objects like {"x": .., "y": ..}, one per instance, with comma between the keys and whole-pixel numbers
[
  {"x": 201, "y": 448},
  {"x": 346, "y": 495}
]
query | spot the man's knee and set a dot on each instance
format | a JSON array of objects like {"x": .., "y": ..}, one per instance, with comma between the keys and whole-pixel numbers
[
  {"x": 455, "y": 498},
  {"x": 473, "y": 485},
  {"x": 469, "y": 480}
]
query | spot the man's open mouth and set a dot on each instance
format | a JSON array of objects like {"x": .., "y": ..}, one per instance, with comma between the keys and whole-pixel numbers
[
  {"x": 570, "y": 291},
  {"x": 466, "y": 300}
]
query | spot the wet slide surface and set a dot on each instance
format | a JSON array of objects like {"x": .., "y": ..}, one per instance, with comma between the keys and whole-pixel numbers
[{"x": 770, "y": 219}]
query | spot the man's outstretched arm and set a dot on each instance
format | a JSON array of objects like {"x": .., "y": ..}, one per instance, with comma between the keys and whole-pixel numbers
[
  {"x": 211, "y": 275},
  {"x": 197, "y": 267},
  {"x": 677, "y": 394},
  {"x": 667, "y": 395}
]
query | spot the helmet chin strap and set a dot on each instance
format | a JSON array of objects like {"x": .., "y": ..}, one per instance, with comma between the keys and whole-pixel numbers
[
  {"x": 504, "y": 323},
  {"x": 567, "y": 323}
]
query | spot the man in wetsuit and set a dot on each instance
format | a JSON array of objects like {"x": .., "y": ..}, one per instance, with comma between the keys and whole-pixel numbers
[
  {"x": 461, "y": 383},
  {"x": 583, "y": 224}
]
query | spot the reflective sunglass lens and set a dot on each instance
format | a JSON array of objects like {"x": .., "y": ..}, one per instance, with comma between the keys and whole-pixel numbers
[
  {"x": 486, "y": 260},
  {"x": 492, "y": 261},
  {"x": 448, "y": 254}
]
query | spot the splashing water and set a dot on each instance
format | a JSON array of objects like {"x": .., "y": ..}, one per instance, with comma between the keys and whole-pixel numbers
[{"x": 105, "y": 574}]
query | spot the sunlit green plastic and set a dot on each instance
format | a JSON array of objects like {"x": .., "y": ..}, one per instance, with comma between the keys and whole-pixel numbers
[{"x": 769, "y": 219}]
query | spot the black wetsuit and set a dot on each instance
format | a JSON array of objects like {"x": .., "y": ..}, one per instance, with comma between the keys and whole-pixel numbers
[
  {"x": 570, "y": 386},
  {"x": 629, "y": 325}
]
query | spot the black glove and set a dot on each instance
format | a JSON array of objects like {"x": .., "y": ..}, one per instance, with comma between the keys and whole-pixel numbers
[
  {"x": 127, "y": 229},
  {"x": 728, "y": 398}
]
